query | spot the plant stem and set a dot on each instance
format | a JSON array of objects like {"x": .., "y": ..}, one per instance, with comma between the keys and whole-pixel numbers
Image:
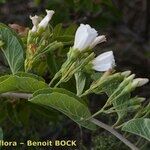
[
  {"x": 100, "y": 111},
  {"x": 60, "y": 81},
  {"x": 85, "y": 93},
  {"x": 54, "y": 78},
  {"x": 138, "y": 141},
  {"x": 51, "y": 82},
  {"x": 16, "y": 95},
  {"x": 97, "y": 113},
  {"x": 114, "y": 132}
]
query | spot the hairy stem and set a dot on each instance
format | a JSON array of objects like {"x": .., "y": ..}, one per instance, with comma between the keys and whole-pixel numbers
[
  {"x": 16, "y": 95},
  {"x": 114, "y": 132},
  {"x": 100, "y": 111}
]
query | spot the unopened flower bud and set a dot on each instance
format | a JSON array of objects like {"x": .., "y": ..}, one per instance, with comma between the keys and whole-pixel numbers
[
  {"x": 139, "y": 82},
  {"x": 126, "y": 73},
  {"x": 131, "y": 77},
  {"x": 141, "y": 99},
  {"x": 98, "y": 40}
]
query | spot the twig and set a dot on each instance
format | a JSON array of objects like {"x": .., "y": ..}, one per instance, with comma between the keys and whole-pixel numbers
[
  {"x": 114, "y": 132},
  {"x": 16, "y": 95}
]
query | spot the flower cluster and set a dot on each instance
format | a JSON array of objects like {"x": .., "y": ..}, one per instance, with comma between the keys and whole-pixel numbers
[
  {"x": 87, "y": 38},
  {"x": 38, "y": 41},
  {"x": 80, "y": 55}
]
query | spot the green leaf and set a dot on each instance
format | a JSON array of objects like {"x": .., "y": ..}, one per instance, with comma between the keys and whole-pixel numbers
[
  {"x": 71, "y": 30},
  {"x": 144, "y": 111},
  {"x": 127, "y": 103},
  {"x": 21, "y": 84},
  {"x": 67, "y": 105},
  {"x": 31, "y": 75},
  {"x": 66, "y": 36},
  {"x": 52, "y": 64},
  {"x": 51, "y": 48},
  {"x": 110, "y": 84},
  {"x": 80, "y": 82},
  {"x": 12, "y": 48},
  {"x": 57, "y": 30},
  {"x": 40, "y": 68},
  {"x": 59, "y": 90},
  {"x": 2, "y": 78},
  {"x": 96, "y": 75},
  {"x": 119, "y": 104},
  {"x": 140, "y": 126},
  {"x": 116, "y": 87},
  {"x": 120, "y": 97}
]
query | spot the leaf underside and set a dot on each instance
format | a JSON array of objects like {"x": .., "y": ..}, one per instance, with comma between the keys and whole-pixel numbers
[
  {"x": 67, "y": 105},
  {"x": 12, "y": 48},
  {"x": 140, "y": 126}
]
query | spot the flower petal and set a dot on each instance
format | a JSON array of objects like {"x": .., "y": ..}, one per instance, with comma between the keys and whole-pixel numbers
[
  {"x": 35, "y": 21},
  {"x": 98, "y": 40},
  {"x": 84, "y": 36},
  {"x": 104, "y": 61},
  {"x": 46, "y": 19}
]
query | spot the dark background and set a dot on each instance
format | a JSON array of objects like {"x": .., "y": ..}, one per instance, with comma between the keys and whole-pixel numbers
[{"x": 125, "y": 23}]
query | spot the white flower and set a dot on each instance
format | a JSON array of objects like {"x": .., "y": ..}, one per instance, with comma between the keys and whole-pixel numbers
[
  {"x": 84, "y": 36},
  {"x": 139, "y": 82},
  {"x": 104, "y": 62},
  {"x": 35, "y": 21},
  {"x": 46, "y": 19},
  {"x": 98, "y": 40},
  {"x": 87, "y": 37}
]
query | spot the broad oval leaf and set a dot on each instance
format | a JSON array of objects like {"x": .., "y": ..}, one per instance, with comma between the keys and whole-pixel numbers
[
  {"x": 67, "y": 105},
  {"x": 59, "y": 90},
  {"x": 12, "y": 48},
  {"x": 31, "y": 75},
  {"x": 2, "y": 78},
  {"x": 21, "y": 84},
  {"x": 140, "y": 126}
]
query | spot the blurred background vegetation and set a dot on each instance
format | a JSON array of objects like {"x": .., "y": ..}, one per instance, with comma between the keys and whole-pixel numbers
[{"x": 126, "y": 25}]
